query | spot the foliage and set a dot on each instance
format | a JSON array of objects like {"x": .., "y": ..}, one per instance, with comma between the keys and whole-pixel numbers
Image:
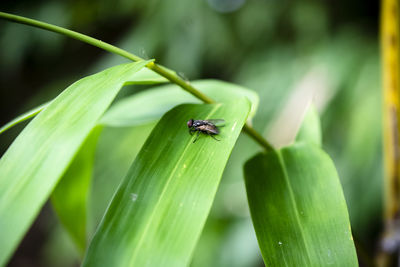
[{"x": 164, "y": 214}]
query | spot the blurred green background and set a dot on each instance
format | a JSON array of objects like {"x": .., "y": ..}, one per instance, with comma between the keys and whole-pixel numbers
[{"x": 273, "y": 47}]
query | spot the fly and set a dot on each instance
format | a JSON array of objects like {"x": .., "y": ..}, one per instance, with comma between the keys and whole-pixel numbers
[{"x": 208, "y": 127}]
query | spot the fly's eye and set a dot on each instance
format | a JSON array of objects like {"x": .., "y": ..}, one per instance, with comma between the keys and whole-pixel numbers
[{"x": 190, "y": 123}]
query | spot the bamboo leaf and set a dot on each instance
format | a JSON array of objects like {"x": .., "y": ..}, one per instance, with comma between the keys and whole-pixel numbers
[
  {"x": 143, "y": 76},
  {"x": 159, "y": 210},
  {"x": 151, "y": 104},
  {"x": 23, "y": 117},
  {"x": 310, "y": 130},
  {"x": 298, "y": 208},
  {"x": 70, "y": 196},
  {"x": 116, "y": 149},
  {"x": 147, "y": 76},
  {"x": 39, "y": 156}
]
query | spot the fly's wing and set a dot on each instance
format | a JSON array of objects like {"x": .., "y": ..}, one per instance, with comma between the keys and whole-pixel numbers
[
  {"x": 211, "y": 129},
  {"x": 217, "y": 122}
]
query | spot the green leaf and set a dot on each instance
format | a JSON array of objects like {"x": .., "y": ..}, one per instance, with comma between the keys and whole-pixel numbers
[
  {"x": 147, "y": 76},
  {"x": 70, "y": 197},
  {"x": 151, "y": 104},
  {"x": 143, "y": 76},
  {"x": 310, "y": 130},
  {"x": 116, "y": 149},
  {"x": 39, "y": 156},
  {"x": 298, "y": 208},
  {"x": 23, "y": 117},
  {"x": 159, "y": 210}
]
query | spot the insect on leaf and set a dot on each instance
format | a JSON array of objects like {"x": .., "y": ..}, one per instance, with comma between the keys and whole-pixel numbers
[
  {"x": 150, "y": 105},
  {"x": 159, "y": 210}
]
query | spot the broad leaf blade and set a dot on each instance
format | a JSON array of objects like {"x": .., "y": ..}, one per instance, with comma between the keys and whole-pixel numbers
[
  {"x": 298, "y": 208},
  {"x": 70, "y": 197},
  {"x": 150, "y": 105},
  {"x": 158, "y": 212},
  {"x": 36, "y": 160}
]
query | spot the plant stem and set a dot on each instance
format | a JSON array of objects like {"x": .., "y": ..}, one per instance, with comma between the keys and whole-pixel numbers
[
  {"x": 171, "y": 76},
  {"x": 69, "y": 33},
  {"x": 257, "y": 137}
]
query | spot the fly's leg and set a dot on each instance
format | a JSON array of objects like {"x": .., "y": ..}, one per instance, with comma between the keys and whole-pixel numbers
[
  {"x": 214, "y": 137},
  {"x": 197, "y": 136},
  {"x": 192, "y": 130}
]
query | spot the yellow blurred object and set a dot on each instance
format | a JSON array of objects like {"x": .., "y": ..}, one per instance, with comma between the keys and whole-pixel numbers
[
  {"x": 391, "y": 96},
  {"x": 390, "y": 63}
]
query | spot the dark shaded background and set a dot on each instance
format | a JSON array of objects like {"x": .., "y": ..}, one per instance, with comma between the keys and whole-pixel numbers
[{"x": 266, "y": 45}]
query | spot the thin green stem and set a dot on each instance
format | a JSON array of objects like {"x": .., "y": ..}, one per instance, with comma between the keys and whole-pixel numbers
[
  {"x": 171, "y": 76},
  {"x": 257, "y": 137},
  {"x": 72, "y": 34}
]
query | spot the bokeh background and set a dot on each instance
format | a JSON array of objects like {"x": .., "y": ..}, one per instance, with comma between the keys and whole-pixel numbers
[{"x": 273, "y": 47}]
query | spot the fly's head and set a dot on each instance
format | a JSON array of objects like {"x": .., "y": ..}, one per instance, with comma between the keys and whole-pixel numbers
[{"x": 190, "y": 123}]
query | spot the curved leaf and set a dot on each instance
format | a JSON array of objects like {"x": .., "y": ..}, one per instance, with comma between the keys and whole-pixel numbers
[
  {"x": 298, "y": 208},
  {"x": 117, "y": 147},
  {"x": 70, "y": 196},
  {"x": 144, "y": 76},
  {"x": 150, "y": 105},
  {"x": 159, "y": 210},
  {"x": 23, "y": 117},
  {"x": 310, "y": 130},
  {"x": 147, "y": 76},
  {"x": 36, "y": 160}
]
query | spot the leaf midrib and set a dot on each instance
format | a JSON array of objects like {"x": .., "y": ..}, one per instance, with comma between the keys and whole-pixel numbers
[{"x": 293, "y": 201}]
